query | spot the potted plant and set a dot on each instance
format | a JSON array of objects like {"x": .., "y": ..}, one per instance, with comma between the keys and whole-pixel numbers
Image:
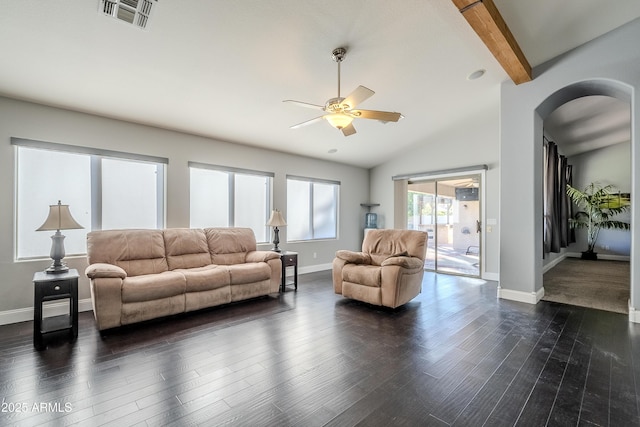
[{"x": 599, "y": 204}]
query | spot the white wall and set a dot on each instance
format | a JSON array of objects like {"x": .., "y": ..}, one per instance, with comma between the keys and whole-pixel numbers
[
  {"x": 37, "y": 122},
  {"x": 605, "y": 66},
  {"x": 608, "y": 165},
  {"x": 473, "y": 142}
]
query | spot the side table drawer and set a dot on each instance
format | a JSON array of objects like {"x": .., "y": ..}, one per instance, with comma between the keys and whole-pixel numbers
[
  {"x": 289, "y": 259},
  {"x": 55, "y": 288}
]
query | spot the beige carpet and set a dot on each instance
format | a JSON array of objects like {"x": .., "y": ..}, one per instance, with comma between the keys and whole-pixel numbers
[{"x": 601, "y": 284}]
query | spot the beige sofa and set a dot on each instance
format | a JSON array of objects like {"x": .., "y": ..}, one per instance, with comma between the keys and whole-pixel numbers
[
  {"x": 387, "y": 272},
  {"x": 137, "y": 275}
]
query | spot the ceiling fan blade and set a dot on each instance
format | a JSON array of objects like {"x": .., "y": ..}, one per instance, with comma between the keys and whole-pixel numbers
[
  {"x": 348, "y": 130},
  {"x": 360, "y": 94},
  {"x": 383, "y": 116},
  {"x": 305, "y": 104},
  {"x": 308, "y": 122}
]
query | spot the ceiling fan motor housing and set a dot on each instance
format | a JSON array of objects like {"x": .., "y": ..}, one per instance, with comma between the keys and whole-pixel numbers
[
  {"x": 338, "y": 54},
  {"x": 335, "y": 105}
]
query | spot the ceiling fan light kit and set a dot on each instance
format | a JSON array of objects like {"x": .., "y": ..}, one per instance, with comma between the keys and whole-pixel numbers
[
  {"x": 338, "y": 120},
  {"x": 340, "y": 111}
]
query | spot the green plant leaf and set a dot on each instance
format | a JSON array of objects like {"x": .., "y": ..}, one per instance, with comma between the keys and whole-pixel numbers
[{"x": 598, "y": 204}]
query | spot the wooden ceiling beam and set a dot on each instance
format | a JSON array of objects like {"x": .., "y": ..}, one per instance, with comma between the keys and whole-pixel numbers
[{"x": 485, "y": 19}]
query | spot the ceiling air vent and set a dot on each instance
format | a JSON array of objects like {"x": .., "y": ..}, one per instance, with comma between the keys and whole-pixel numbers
[{"x": 135, "y": 12}]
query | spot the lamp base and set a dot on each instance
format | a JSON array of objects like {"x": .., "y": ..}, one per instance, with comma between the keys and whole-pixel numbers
[
  {"x": 276, "y": 240},
  {"x": 57, "y": 254},
  {"x": 57, "y": 269}
]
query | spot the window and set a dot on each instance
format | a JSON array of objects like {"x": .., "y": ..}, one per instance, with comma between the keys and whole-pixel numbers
[
  {"x": 312, "y": 209},
  {"x": 230, "y": 197},
  {"x": 129, "y": 184},
  {"x": 104, "y": 190}
]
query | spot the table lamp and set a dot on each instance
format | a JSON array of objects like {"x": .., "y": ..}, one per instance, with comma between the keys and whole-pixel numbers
[
  {"x": 276, "y": 220},
  {"x": 59, "y": 219}
]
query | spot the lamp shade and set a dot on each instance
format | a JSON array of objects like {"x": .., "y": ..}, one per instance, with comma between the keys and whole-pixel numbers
[
  {"x": 276, "y": 220},
  {"x": 59, "y": 219},
  {"x": 339, "y": 120}
]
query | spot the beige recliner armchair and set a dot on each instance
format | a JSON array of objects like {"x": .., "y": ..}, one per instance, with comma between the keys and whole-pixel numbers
[{"x": 388, "y": 271}]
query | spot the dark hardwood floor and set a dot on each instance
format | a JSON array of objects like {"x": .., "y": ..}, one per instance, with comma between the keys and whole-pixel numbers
[{"x": 455, "y": 355}]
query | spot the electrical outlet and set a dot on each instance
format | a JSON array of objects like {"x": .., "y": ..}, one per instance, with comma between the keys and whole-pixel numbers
[{"x": 315, "y": 255}]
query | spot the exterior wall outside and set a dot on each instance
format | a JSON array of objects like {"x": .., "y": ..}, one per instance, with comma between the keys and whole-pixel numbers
[{"x": 464, "y": 232}]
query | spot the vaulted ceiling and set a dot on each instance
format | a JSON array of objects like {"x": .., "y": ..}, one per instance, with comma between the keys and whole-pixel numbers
[{"x": 221, "y": 69}]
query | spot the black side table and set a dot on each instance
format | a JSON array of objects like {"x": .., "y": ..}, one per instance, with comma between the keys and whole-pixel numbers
[
  {"x": 51, "y": 287},
  {"x": 289, "y": 259}
]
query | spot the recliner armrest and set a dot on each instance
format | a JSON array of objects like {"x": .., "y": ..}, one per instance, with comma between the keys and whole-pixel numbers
[
  {"x": 261, "y": 256},
  {"x": 354, "y": 257},
  {"x": 104, "y": 270},
  {"x": 403, "y": 261}
]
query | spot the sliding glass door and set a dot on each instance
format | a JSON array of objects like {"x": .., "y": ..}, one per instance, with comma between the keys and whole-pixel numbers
[{"x": 448, "y": 209}]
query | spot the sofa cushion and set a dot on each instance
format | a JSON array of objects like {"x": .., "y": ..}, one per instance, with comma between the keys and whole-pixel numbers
[
  {"x": 230, "y": 245},
  {"x": 186, "y": 248},
  {"x": 384, "y": 242},
  {"x": 137, "y": 252},
  {"x": 206, "y": 278},
  {"x": 366, "y": 275},
  {"x": 153, "y": 286},
  {"x": 249, "y": 273}
]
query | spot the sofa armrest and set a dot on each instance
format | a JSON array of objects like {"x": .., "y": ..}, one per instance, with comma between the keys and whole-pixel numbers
[
  {"x": 261, "y": 256},
  {"x": 100, "y": 270},
  {"x": 354, "y": 257},
  {"x": 403, "y": 261}
]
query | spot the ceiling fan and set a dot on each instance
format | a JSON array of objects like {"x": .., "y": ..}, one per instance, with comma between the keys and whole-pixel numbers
[{"x": 340, "y": 112}]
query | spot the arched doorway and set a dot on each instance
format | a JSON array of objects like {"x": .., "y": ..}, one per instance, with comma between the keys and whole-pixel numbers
[
  {"x": 590, "y": 136},
  {"x": 606, "y": 66},
  {"x": 596, "y": 87}
]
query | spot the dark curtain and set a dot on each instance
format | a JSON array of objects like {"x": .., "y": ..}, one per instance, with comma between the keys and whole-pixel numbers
[
  {"x": 557, "y": 205},
  {"x": 571, "y": 233}
]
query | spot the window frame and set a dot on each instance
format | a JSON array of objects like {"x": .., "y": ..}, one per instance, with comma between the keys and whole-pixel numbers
[
  {"x": 96, "y": 155},
  {"x": 232, "y": 172},
  {"x": 311, "y": 182}
]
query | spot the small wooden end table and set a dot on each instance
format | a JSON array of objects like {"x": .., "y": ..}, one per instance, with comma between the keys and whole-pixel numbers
[
  {"x": 51, "y": 287},
  {"x": 289, "y": 259}
]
